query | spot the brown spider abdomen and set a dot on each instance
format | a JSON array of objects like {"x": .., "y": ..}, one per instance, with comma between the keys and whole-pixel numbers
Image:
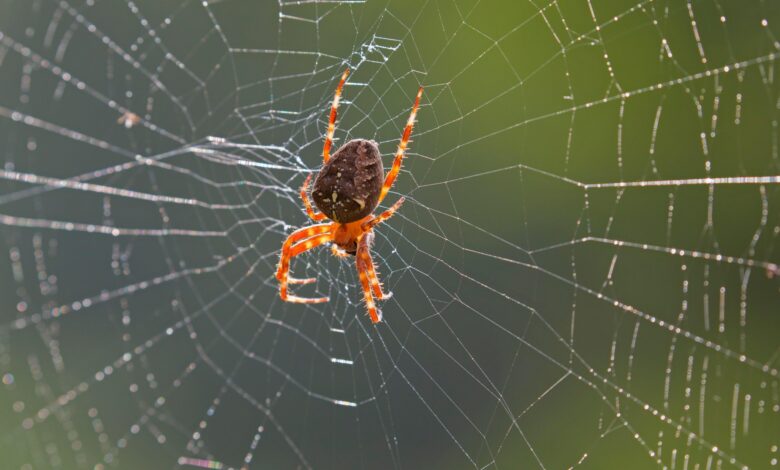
[{"x": 347, "y": 187}]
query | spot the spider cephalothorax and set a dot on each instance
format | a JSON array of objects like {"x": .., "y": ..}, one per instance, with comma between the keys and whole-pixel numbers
[{"x": 348, "y": 188}]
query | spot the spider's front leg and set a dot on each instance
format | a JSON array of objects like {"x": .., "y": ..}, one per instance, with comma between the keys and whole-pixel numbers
[
  {"x": 373, "y": 312},
  {"x": 300, "y": 234},
  {"x": 364, "y": 257},
  {"x": 306, "y": 238}
]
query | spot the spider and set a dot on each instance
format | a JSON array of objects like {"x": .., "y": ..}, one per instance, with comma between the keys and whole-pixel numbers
[{"x": 348, "y": 187}]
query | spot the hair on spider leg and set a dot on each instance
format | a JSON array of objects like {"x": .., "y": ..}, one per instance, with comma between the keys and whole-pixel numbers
[{"x": 369, "y": 237}]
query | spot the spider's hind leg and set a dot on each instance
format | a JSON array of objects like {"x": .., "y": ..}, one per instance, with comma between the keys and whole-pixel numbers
[
  {"x": 399, "y": 154},
  {"x": 332, "y": 121}
]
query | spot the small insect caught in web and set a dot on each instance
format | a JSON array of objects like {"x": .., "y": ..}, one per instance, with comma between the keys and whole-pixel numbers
[
  {"x": 129, "y": 119},
  {"x": 347, "y": 189}
]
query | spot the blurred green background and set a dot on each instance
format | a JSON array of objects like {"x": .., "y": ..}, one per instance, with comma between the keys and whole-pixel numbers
[{"x": 582, "y": 273}]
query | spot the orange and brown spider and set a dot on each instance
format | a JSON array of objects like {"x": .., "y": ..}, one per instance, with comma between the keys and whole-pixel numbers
[{"x": 347, "y": 189}]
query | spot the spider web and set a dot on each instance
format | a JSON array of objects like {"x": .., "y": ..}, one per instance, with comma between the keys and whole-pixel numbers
[{"x": 584, "y": 271}]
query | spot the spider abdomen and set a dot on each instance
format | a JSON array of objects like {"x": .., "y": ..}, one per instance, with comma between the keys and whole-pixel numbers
[{"x": 347, "y": 187}]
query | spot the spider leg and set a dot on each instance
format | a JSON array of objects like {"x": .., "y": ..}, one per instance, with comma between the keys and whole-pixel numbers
[
  {"x": 338, "y": 252},
  {"x": 399, "y": 154},
  {"x": 295, "y": 280},
  {"x": 332, "y": 122},
  {"x": 295, "y": 250},
  {"x": 315, "y": 216},
  {"x": 364, "y": 257},
  {"x": 310, "y": 243},
  {"x": 383, "y": 216},
  {"x": 373, "y": 312},
  {"x": 300, "y": 234}
]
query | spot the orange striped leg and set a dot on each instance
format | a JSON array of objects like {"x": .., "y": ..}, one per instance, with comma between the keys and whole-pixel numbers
[
  {"x": 364, "y": 253},
  {"x": 300, "y": 234},
  {"x": 315, "y": 216},
  {"x": 295, "y": 250},
  {"x": 332, "y": 121},
  {"x": 399, "y": 154},
  {"x": 383, "y": 216},
  {"x": 338, "y": 252},
  {"x": 373, "y": 312}
]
